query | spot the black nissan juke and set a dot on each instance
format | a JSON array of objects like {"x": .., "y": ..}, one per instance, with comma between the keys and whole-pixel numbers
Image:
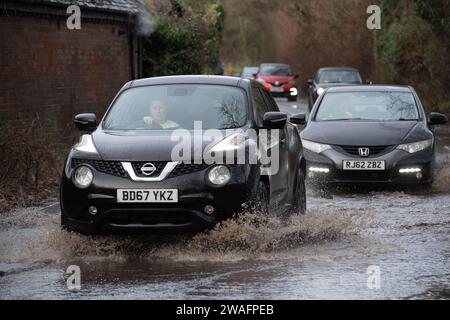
[
  {"x": 156, "y": 161},
  {"x": 370, "y": 134}
]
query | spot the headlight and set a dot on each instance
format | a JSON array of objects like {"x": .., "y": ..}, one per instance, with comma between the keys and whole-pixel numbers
[
  {"x": 232, "y": 142},
  {"x": 86, "y": 144},
  {"x": 416, "y": 146},
  {"x": 83, "y": 177},
  {"x": 293, "y": 81},
  {"x": 315, "y": 147},
  {"x": 319, "y": 91},
  {"x": 219, "y": 175},
  {"x": 260, "y": 80}
]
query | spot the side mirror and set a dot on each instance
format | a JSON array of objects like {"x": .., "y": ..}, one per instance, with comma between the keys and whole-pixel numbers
[
  {"x": 274, "y": 120},
  {"x": 255, "y": 75},
  {"x": 437, "y": 118},
  {"x": 86, "y": 122},
  {"x": 298, "y": 118},
  {"x": 368, "y": 81},
  {"x": 310, "y": 82},
  {"x": 296, "y": 76}
]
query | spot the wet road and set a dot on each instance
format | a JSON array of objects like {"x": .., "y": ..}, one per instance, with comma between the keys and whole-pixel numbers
[{"x": 370, "y": 244}]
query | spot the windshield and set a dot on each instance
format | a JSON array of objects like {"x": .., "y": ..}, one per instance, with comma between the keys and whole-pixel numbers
[
  {"x": 249, "y": 72},
  {"x": 339, "y": 76},
  {"x": 375, "y": 106},
  {"x": 177, "y": 106},
  {"x": 275, "y": 70}
]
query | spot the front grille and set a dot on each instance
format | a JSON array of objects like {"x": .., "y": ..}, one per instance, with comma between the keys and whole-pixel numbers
[
  {"x": 185, "y": 168},
  {"x": 280, "y": 84},
  {"x": 109, "y": 167},
  {"x": 115, "y": 167},
  {"x": 149, "y": 218},
  {"x": 362, "y": 175},
  {"x": 373, "y": 151}
]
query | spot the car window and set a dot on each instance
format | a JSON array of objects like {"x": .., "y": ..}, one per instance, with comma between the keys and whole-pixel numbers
[
  {"x": 275, "y": 70},
  {"x": 249, "y": 72},
  {"x": 339, "y": 76},
  {"x": 178, "y": 106},
  {"x": 271, "y": 104},
  {"x": 260, "y": 105},
  {"x": 371, "y": 106}
]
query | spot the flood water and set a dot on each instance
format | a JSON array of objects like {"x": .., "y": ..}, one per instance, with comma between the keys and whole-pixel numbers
[{"x": 364, "y": 244}]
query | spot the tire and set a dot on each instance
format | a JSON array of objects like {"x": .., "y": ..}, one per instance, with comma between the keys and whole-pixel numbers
[
  {"x": 310, "y": 102},
  {"x": 300, "y": 194},
  {"x": 262, "y": 198},
  {"x": 292, "y": 99}
]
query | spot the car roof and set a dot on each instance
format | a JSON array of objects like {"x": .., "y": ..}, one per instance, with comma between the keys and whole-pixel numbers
[
  {"x": 274, "y": 64},
  {"x": 192, "y": 79},
  {"x": 370, "y": 88},
  {"x": 337, "y": 69}
]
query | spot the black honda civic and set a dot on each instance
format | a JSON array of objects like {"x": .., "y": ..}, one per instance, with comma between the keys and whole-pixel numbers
[
  {"x": 370, "y": 134},
  {"x": 182, "y": 153}
]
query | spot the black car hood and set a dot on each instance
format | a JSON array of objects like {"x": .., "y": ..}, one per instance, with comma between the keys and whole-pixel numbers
[
  {"x": 365, "y": 133},
  {"x": 145, "y": 145}
]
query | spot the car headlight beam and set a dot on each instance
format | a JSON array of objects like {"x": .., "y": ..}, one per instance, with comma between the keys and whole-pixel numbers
[
  {"x": 415, "y": 146},
  {"x": 315, "y": 147}
]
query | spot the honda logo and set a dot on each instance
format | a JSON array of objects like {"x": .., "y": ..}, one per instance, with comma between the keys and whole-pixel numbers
[{"x": 364, "y": 152}]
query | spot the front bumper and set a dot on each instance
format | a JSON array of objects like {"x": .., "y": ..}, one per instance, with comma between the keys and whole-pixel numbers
[
  {"x": 194, "y": 193},
  {"x": 395, "y": 160},
  {"x": 286, "y": 93}
]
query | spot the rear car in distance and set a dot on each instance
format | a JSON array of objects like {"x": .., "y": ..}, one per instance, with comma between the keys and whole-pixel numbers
[
  {"x": 249, "y": 73},
  {"x": 370, "y": 134},
  {"x": 279, "y": 80},
  {"x": 124, "y": 177},
  {"x": 329, "y": 77}
]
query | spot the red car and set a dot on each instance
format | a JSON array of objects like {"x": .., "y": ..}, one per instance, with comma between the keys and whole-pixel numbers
[{"x": 279, "y": 80}]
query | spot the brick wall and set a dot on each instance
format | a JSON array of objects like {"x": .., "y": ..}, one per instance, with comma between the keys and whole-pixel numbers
[{"x": 55, "y": 72}]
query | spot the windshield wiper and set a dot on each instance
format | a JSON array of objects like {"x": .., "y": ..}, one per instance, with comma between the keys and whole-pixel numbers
[{"x": 348, "y": 119}]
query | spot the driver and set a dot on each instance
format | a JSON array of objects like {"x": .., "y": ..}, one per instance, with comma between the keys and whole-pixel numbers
[{"x": 158, "y": 115}]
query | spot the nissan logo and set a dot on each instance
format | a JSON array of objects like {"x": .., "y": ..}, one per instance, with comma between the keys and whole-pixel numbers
[
  {"x": 364, "y": 152},
  {"x": 148, "y": 169}
]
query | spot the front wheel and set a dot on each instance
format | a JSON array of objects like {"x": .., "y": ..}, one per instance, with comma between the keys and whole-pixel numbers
[
  {"x": 262, "y": 198},
  {"x": 292, "y": 98},
  {"x": 300, "y": 194}
]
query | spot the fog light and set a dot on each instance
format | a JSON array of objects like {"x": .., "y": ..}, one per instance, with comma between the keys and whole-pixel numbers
[
  {"x": 410, "y": 170},
  {"x": 83, "y": 177},
  {"x": 219, "y": 175},
  {"x": 93, "y": 210},
  {"x": 318, "y": 169},
  {"x": 419, "y": 176},
  {"x": 208, "y": 209}
]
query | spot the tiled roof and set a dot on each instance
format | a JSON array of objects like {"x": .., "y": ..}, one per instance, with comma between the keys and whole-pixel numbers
[{"x": 130, "y": 6}]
